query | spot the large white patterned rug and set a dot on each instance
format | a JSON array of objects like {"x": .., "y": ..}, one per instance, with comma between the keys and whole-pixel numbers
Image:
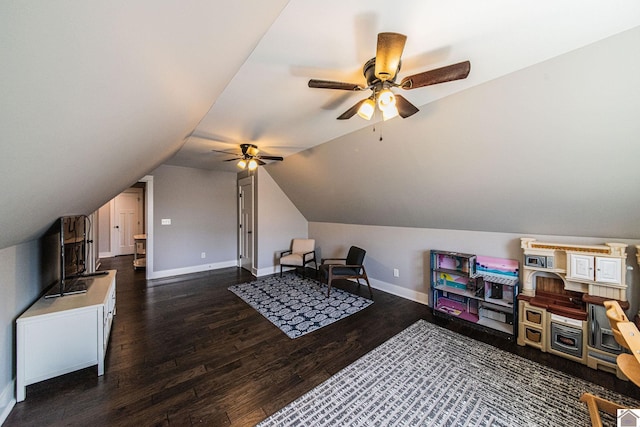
[
  {"x": 298, "y": 306},
  {"x": 430, "y": 376}
]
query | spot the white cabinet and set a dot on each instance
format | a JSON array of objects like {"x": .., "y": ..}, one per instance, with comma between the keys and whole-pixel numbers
[
  {"x": 581, "y": 267},
  {"x": 608, "y": 270},
  {"x": 56, "y": 336},
  {"x": 598, "y": 269}
]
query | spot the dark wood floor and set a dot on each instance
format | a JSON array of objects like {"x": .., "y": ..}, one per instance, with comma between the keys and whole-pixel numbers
[{"x": 186, "y": 351}]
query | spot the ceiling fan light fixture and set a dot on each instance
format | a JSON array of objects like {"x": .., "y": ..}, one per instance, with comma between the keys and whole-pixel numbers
[
  {"x": 253, "y": 164},
  {"x": 252, "y": 150},
  {"x": 389, "y": 112},
  {"x": 366, "y": 109},
  {"x": 242, "y": 164},
  {"x": 386, "y": 99}
]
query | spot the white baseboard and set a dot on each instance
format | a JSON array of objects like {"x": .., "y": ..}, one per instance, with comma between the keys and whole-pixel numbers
[
  {"x": 7, "y": 401},
  {"x": 410, "y": 294},
  {"x": 193, "y": 269},
  {"x": 267, "y": 271},
  {"x": 105, "y": 255}
]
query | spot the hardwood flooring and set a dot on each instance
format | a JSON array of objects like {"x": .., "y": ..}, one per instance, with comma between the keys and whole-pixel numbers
[{"x": 186, "y": 351}]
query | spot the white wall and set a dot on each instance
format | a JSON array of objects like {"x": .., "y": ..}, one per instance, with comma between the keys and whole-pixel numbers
[
  {"x": 407, "y": 249},
  {"x": 278, "y": 222}
]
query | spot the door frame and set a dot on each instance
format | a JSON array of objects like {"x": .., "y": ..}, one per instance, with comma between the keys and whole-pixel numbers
[
  {"x": 249, "y": 180},
  {"x": 113, "y": 235}
]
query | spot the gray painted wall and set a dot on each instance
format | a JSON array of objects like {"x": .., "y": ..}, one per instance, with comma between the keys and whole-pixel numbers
[
  {"x": 20, "y": 283},
  {"x": 551, "y": 149},
  {"x": 279, "y": 221},
  {"x": 201, "y": 205},
  {"x": 407, "y": 249}
]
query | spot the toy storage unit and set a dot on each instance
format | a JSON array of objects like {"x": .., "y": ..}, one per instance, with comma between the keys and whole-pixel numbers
[
  {"x": 563, "y": 289},
  {"x": 479, "y": 290}
]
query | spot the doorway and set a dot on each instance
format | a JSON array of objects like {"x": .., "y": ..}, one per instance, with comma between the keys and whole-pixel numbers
[
  {"x": 127, "y": 220},
  {"x": 246, "y": 223}
]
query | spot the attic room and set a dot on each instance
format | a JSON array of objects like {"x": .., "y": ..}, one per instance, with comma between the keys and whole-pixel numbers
[{"x": 539, "y": 141}]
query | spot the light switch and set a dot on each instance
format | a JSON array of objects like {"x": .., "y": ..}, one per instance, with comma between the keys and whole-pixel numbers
[{"x": 166, "y": 221}]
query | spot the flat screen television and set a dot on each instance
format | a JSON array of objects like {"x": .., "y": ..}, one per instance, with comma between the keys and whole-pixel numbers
[{"x": 64, "y": 251}]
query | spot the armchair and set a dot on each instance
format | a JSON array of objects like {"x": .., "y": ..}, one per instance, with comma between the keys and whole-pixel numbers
[
  {"x": 302, "y": 252},
  {"x": 350, "y": 267}
]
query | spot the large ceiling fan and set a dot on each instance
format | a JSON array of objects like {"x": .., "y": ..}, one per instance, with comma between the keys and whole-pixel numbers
[
  {"x": 249, "y": 158},
  {"x": 381, "y": 72}
]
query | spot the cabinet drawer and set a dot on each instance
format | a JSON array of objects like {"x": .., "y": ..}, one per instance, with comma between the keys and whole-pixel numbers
[
  {"x": 533, "y": 335},
  {"x": 533, "y": 315}
]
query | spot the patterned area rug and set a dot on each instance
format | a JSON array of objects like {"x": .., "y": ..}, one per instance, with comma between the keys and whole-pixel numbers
[
  {"x": 430, "y": 376},
  {"x": 298, "y": 306}
]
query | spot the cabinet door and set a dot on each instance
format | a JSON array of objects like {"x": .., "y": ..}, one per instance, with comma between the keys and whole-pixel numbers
[
  {"x": 608, "y": 270},
  {"x": 581, "y": 266}
]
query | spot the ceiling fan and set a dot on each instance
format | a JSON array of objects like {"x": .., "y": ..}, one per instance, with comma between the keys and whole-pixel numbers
[
  {"x": 380, "y": 73},
  {"x": 249, "y": 158}
]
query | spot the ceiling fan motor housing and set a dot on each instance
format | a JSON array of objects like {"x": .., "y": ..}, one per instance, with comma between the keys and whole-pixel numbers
[{"x": 369, "y": 71}]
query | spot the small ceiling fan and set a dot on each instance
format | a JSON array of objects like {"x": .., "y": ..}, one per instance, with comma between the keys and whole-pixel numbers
[
  {"x": 380, "y": 73},
  {"x": 249, "y": 158}
]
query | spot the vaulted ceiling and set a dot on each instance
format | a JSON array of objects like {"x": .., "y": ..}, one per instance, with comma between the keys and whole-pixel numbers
[{"x": 94, "y": 96}]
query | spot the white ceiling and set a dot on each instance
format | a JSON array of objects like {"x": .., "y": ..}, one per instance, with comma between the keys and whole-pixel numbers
[
  {"x": 93, "y": 96},
  {"x": 268, "y": 103}
]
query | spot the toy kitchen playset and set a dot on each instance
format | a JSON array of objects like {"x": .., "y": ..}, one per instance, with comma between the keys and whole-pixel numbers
[{"x": 560, "y": 301}]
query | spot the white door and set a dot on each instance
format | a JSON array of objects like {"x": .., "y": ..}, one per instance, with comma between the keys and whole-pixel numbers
[
  {"x": 608, "y": 270},
  {"x": 127, "y": 221},
  {"x": 245, "y": 222},
  {"x": 581, "y": 267}
]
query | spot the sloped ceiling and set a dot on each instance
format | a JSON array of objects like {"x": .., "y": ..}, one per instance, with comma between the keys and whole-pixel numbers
[
  {"x": 269, "y": 104},
  {"x": 551, "y": 149},
  {"x": 93, "y": 95}
]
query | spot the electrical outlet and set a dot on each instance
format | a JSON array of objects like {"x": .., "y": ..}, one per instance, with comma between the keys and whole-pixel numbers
[
  {"x": 396, "y": 272},
  {"x": 165, "y": 221},
  {"x": 203, "y": 255}
]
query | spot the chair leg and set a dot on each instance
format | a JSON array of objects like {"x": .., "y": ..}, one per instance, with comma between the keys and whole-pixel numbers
[
  {"x": 329, "y": 279},
  {"x": 280, "y": 270},
  {"x": 366, "y": 278},
  {"x": 595, "y": 404}
]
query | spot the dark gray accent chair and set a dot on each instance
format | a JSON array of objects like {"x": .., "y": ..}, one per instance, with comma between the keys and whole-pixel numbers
[{"x": 351, "y": 267}]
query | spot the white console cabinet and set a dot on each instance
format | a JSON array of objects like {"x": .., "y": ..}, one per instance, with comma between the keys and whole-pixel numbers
[{"x": 60, "y": 335}]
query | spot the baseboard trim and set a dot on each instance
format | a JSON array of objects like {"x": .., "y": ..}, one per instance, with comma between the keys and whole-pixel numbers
[
  {"x": 193, "y": 269},
  {"x": 105, "y": 255},
  {"x": 267, "y": 271},
  {"x": 7, "y": 401},
  {"x": 410, "y": 294}
]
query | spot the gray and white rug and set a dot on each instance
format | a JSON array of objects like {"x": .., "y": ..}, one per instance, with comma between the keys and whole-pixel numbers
[
  {"x": 298, "y": 306},
  {"x": 430, "y": 376}
]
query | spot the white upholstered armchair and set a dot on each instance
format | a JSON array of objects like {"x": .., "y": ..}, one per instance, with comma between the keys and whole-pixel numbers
[{"x": 302, "y": 252}]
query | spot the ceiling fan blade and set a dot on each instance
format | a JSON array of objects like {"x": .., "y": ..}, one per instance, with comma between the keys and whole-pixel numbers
[
  {"x": 234, "y": 159},
  {"x": 388, "y": 54},
  {"x": 328, "y": 84},
  {"x": 405, "y": 108},
  {"x": 279, "y": 158},
  {"x": 351, "y": 111},
  {"x": 223, "y": 152},
  {"x": 260, "y": 162},
  {"x": 440, "y": 75}
]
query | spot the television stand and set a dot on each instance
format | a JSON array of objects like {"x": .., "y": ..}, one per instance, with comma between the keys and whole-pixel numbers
[{"x": 61, "y": 335}]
